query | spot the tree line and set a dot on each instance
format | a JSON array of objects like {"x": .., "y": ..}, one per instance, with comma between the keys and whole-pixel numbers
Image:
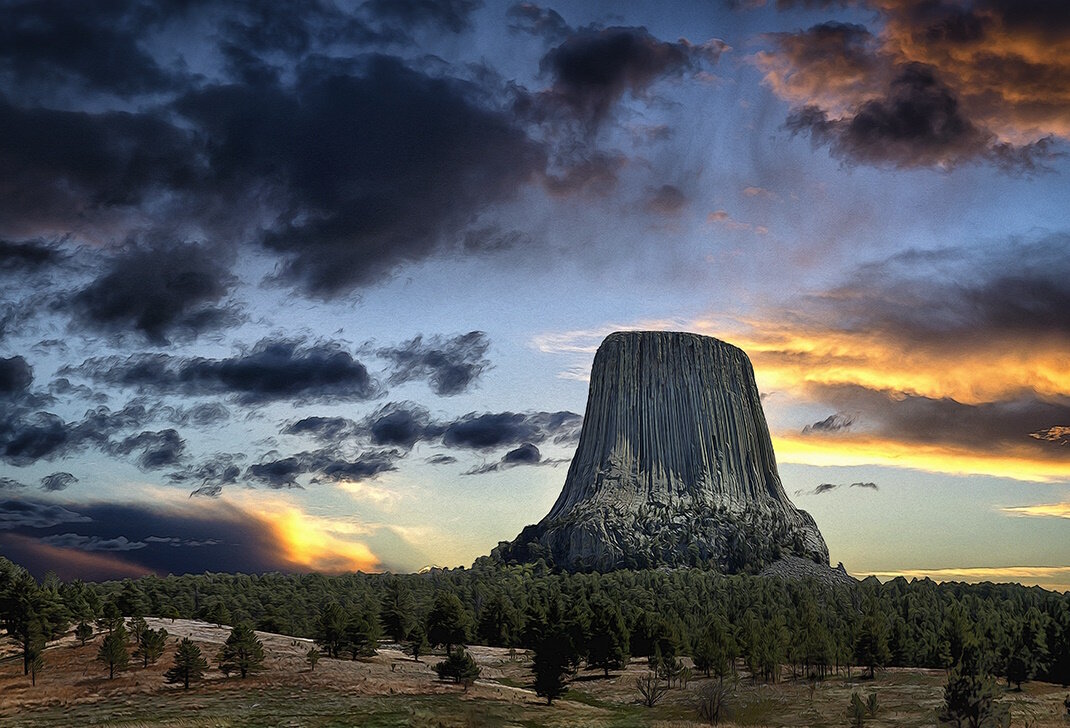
[{"x": 769, "y": 629}]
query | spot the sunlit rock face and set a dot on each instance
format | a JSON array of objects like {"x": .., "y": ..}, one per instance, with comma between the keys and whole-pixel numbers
[{"x": 674, "y": 467}]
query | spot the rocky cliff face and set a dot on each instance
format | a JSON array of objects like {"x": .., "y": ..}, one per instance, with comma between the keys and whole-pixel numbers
[{"x": 674, "y": 467}]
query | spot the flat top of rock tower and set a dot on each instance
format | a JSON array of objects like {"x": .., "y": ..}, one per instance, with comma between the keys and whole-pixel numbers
[{"x": 669, "y": 336}]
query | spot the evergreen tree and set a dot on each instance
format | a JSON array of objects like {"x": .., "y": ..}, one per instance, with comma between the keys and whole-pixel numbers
[
  {"x": 715, "y": 650},
  {"x": 150, "y": 645},
  {"x": 83, "y": 632},
  {"x": 113, "y": 652},
  {"x": 362, "y": 635},
  {"x": 37, "y": 662},
  {"x": 607, "y": 640},
  {"x": 243, "y": 652},
  {"x": 416, "y": 642},
  {"x": 398, "y": 611},
  {"x": 971, "y": 692},
  {"x": 499, "y": 624},
  {"x": 553, "y": 665},
  {"x": 447, "y": 623},
  {"x": 189, "y": 665},
  {"x": 871, "y": 646},
  {"x": 312, "y": 657},
  {"x": 331, "y": 629},
  {"x": 459, "y": 667}
]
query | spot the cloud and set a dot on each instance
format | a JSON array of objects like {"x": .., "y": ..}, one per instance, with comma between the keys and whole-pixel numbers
[
  {"x": 828, "y": 487},
  {"x": 722, "y": 218},
  {"x": 161, "y": 291},
  {"x": 22, "y": 514},
  {"x": 526, "y": 454},
  {"x": 493, "y": 430},
  {"x": 16, "y": 376},
  {"x": 940, "y": 85},
  {"x": 26, "y": 256},
  {"x": 57, "y": 481},
  {"x": 92, "y": 543},
  {"x": 328, "y": 464},
  {"x": 431, "y": 154},
  {"x": 178, "y": 537},
  {"x": 212, "y": 474},
  {"x": 539, "y": 21},
  {"x": 273, "y": 369},
  {"x": 441, "y": 460},
  {"x": 594, "y": 67},
  {"x": 1042, "y": 510},
  {"x": 833, "y": 423},
  {"x": 1059, "y": 434},
  {"x": 160, "y": 449},
  {"x": 10, "y": 484},
  {"x": 450, "y": 365},
  {"x": 322, "y": 428},
  {"x": 399, "y": 425},
  {"x": 453, "y": 15}
]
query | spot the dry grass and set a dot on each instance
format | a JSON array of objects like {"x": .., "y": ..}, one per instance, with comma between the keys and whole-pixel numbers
[{"x": 391, "y": 689}]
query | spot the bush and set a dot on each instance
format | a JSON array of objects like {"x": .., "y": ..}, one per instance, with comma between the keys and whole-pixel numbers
[{"x": 714, "y": 701}]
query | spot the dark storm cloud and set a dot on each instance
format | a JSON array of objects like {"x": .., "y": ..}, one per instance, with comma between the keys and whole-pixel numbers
[
  {"x": 918, "y": 123},
  {"x": 74, "y": 167},
  {"x": 594, "y": 67},
  {"x": 206, "y": 414},
  {"x": 450, "y": 365},
  {"x": 493, "y": 430},
  {"x": 526, "y": 454},
  {"x": 986, "y": 426},
  {"x": 453, "y": 15},
  {"x": 1021, "y": 289},
  {"x": 174, "y": 541},
  {"x": 160, "y": 449},
  {"x": 57, "y": 481},
  {"x": 16, "y": 376},
  {"x": 18, "y": 257},
  {"x": 833, "y": 423},
  {"x": 430, "y": 155},
  {"x": 210, "y": 475},
  {"x": 939, "y": 85},
  {"x": 22, "y": 514},
  {"x": 441, "y": 460},
  {"x": 274, "y": 369},
  {"x": 399, "y": 424},
  {"x": 95, "y": 47},
  {"x": 326, "y": 464},
  {"x": 160, "y": 291}
]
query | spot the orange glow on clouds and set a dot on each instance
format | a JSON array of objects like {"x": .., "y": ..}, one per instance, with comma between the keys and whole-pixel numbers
[
  {"x": 1049, "y": 577},
  {"x": 937, "y": 458},
  {"x": 1048, "y": 510},
  {"x": 315, "y": 543}
]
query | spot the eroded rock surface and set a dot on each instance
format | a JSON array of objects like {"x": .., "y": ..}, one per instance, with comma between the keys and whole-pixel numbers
[{"x": 674, "y": 466}]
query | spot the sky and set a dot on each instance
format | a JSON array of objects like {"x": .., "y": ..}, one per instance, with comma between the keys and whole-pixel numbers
[{"x": 317, "y": 285}]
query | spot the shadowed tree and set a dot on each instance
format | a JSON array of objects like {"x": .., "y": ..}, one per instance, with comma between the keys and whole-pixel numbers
[
  {"x": 459, "y": 667},
  {"x": 447, "y": 623},
  {"x": 83, "y": 632},
  {"x": 113, "y": 652},
  {"x": 189, "y": 665},
  {"x": 331, "y": 629},
  {"x": 243, "y": 652},
  {"x": 150, "y": 646},
  {"x": 607, "y": 641}
]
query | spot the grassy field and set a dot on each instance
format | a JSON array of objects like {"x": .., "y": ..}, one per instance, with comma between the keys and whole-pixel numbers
[{"x": 393, "y": 690}]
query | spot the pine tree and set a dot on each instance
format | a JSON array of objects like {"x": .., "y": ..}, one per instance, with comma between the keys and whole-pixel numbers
[
  {"x": 331, "y": 629},
  {"x": 552, "y": 664},
  {"x": 416, "y": 642},
  {"x": 150, "y": 645},
  {"x": 607, "y": 641},
  {"x": 499, "y": 624},
  {"x": 189, "y": 665},
  {"x": 312, "y": 657},
  {"x": 871, "y": 646},
  {"x": 83, "y": 632},
  {"x": 447, "y": 623},
  {"x": 398, "y": 611},
  {"x": 459, "y": 667},
  {"x": 113, "y": 652},
  {"x": 243, "y": 652},
  {"x": 362, "y": 635}
]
